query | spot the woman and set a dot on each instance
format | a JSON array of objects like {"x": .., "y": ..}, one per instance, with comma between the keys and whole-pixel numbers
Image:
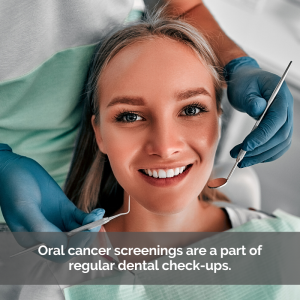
[{"x": 150, "y": 130}]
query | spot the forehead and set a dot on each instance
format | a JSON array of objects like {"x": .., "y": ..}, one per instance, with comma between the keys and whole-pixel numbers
[{"x": 157, "y": 66}]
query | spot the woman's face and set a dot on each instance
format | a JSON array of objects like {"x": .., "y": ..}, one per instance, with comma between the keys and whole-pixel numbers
[{"x": 158, "y": 123}]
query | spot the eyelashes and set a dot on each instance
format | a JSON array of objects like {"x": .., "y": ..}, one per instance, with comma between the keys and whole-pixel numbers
[
  {"x": 128, "y": 117},
  {"x": 191, "y": 110},
  {"x": 194, "y": 109}
]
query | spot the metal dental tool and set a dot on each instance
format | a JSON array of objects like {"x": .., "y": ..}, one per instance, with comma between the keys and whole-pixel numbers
[
  {"x": 79, "y": 229},
  {"x": 219, "y": 182}
]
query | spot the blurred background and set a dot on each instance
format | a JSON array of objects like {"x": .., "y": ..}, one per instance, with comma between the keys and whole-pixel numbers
[{"x": 269, "y": 31}]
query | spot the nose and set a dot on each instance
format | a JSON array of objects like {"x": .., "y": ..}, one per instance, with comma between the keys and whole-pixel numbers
[{"x": 165, "y": 140}]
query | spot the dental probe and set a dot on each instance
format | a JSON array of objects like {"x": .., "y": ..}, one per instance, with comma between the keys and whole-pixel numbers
[
  {"x": 79, "y": 229},
  {"x": 219, "y": 182}
]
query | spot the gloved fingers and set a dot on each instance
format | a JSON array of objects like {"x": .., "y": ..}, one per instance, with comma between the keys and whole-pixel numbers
[
  {"x": 273, "y": 142},
  {"x": 249, "y": 161},
  {"x": 277, "y": 115},
  {"x": 259, "y": 92},
  {"x": 79, "y": 215},
  {"x": 81, "y": 218},
  {"x": 95, "y": 215},
  {"x": 71, "y": 216},
  {"x": 254, "y": 105}
]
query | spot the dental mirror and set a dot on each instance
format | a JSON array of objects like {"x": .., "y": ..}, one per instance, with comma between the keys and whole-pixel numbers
[{"x": 219, "y": 182}]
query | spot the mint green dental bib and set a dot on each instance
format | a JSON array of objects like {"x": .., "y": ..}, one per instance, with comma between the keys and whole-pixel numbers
[{"x": 283, "y": 223}]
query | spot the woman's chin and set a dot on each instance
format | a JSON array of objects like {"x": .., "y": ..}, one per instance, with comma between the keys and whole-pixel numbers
[{"x": 165, "y": 207}]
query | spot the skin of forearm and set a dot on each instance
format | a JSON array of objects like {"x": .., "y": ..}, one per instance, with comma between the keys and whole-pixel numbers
[{"x": 196, "y": 13}]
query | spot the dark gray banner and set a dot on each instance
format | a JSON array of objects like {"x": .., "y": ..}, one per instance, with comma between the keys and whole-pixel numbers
[{"x": 151, "y": 259}]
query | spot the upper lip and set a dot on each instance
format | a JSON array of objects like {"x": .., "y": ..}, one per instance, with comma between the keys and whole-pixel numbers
[{"x": 166, "y": 166}]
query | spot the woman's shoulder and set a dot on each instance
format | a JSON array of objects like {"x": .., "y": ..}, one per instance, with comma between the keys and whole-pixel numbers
[{"x": 239, "y": 215}]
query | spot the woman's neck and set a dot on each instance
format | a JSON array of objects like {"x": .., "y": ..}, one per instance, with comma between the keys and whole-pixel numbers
[{"x": 199, "y": 216}]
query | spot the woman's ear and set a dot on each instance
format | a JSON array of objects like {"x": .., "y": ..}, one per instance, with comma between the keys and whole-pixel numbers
[{"x": 98, "y": 135}]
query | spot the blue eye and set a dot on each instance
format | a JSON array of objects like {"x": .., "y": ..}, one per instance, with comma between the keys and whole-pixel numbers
[
  {"x": 128, "y": 117},
  {"x": 191, "y": 111},
  {"x": 194, "y": 109}
]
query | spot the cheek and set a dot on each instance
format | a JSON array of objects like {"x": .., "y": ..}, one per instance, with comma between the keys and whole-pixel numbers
[
  {"x": 120, "y": 146},
  {"x": 204, "y": 138},
  {"x": 206, "y": 141}
]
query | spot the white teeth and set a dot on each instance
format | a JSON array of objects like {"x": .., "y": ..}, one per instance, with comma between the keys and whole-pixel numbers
[
  {"x": 164, "y": 173},
  {"x": 170, "y": 173}
]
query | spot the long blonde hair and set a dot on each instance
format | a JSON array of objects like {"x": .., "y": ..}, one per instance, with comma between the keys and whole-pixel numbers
[{"x": 91, "y": 182}]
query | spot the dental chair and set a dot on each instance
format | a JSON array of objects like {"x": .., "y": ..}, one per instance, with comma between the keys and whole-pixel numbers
[{"x": 243, "y": 188}]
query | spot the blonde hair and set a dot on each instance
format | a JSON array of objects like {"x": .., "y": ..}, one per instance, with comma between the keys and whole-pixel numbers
[{"x": 91, "y": 182}]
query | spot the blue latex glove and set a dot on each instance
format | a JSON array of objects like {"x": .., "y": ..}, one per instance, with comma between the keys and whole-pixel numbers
[
  {"x": 31, "y": 201},
  {"x": 249, "y": 89}
]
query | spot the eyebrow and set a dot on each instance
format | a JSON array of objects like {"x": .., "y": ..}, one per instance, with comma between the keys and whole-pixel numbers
[
  {"x": 139, "y": 101},
  {"x": 192, "y": 93}
]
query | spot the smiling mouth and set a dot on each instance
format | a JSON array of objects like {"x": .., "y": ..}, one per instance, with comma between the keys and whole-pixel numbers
[{"x": 165, "y": 173}]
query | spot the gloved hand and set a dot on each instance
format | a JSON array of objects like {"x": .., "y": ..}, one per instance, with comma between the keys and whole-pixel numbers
[
  {"x": 31, "y": 201},
  {"x": 249, "y": 89}
]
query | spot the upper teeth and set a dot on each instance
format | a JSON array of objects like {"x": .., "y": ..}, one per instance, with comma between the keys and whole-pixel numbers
[{"x": 164, "y": 173}]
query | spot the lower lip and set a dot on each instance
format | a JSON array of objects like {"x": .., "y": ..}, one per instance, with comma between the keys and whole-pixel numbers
[{"x": 165, "y": 182}]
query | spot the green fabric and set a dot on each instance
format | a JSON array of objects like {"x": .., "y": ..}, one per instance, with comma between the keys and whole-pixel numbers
[
  {"x": 134, "y": 15},
  {"x": 40, "y": 112},
  {"x": 284, "y": 223}
]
